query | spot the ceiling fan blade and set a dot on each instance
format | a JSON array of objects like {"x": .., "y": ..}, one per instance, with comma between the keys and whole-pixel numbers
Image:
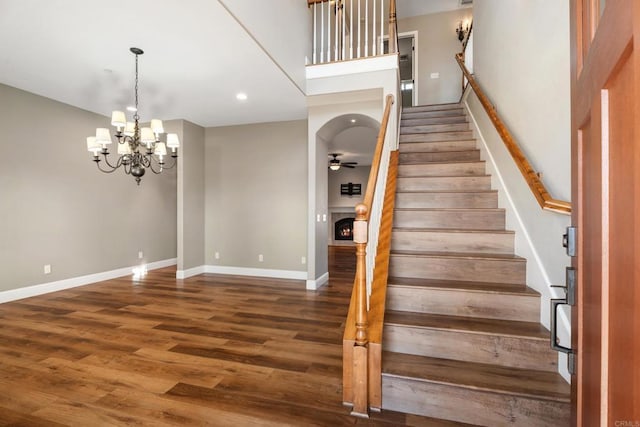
[{"x": 347, "y": 165}]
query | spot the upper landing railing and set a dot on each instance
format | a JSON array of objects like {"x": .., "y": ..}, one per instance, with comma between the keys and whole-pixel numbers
[{"x": 352, "y": 29}]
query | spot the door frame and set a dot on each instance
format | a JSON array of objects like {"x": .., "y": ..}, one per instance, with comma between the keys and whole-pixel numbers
[{"x": 414, "y": 35}]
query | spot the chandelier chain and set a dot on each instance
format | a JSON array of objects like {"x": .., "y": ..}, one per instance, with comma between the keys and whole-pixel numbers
[{"x": 136, "y": 88}]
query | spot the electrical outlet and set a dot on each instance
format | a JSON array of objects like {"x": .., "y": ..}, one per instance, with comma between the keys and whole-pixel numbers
[
  {"x": 47, "y": 269},
  {"x": 217, "y": 255},
  {"x": 140, "y": 255},
  {"x": 318, "y": 218},
  {"x": 324, "y": 217},
  {"x": 303, "y": 260},
  {"x": 260, "y": 258}
]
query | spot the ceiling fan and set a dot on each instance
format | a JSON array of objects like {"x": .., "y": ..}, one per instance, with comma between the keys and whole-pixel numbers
[{"x": 335, "y": 164}]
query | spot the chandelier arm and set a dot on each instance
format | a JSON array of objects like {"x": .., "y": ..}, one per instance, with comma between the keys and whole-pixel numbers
[
  {"x": 173, "y": 164},
  {"x": 110, "y": 170},
  {"x": 118, "y": 163}
]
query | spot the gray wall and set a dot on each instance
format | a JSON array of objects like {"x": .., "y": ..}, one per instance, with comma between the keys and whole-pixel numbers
[
  {"x": 437, "y": 46},
  {"x": 191, "y": 197},
  {"x": 256, "y": 195},
  {"x": 357, "y": 175},
  {"x": 55, "y": 206}
]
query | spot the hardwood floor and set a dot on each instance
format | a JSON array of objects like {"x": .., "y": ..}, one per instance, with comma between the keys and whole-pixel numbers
[{"x": 209, "y": 350}]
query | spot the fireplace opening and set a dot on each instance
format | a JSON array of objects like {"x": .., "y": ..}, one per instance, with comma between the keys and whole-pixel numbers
[{"x": 344, "y": 229}]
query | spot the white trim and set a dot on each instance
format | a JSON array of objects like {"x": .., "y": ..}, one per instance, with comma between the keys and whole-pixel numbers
[
  {"x": 73, "y": 282},
  {"x": 184, "y": 274},
  {"x": 356, "y": 66},
  {"x": 313, "y": 285},
  {"x": 257, "y": 272}
]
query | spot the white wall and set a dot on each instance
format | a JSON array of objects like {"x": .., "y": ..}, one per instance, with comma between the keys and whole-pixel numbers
[
  {"x": 437, "y": 46},
  {"x": 521, "y": 59},
  {"x": 256, "y": 196}
]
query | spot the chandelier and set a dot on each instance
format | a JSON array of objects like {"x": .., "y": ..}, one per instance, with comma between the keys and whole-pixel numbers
[{"x": 139, "y": 149}]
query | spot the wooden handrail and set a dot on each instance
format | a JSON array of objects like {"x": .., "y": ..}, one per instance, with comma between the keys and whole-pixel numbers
[
  {"x": 531, "y": 177},
  {"x": 377, "y": 156}
]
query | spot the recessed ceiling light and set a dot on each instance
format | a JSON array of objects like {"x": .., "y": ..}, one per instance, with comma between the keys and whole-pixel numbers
[
  {"x": 132, "y": 108},
  {"x": 241, "y": 96},
  {"x": 353, "y": 120}
]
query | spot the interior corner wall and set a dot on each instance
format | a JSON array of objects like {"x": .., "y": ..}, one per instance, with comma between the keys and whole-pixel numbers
[
  {"x": 256, "y": 196},
  {"x": 56, "y": 208},
  {"x": 437, "y": 47},
  {"x": 191, "y": 205}
]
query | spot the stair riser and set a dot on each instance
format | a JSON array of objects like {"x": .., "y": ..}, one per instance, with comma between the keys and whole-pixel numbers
[
  {"x": 515, "y": 352},
  {"x": 450, "y": 268},
  {"x": 487, "y": 305},
  {"x": 442, "y": 169},
  {"x": 433, "y": 120},
  {"x": 447, "y": 156},
  {"x": 470, "y": 242},
  {"x": 467, "y": 183},
  {"x": 434, "y": 128},
  {"x": 447, "y": 200},
  {"x": 470, "y": 406},
  {"x": 436, "y": 147},
  {"x": 455, "y": 112},
  {"x": 465, "y": 220},
  {"x": 437, "y": 107},
  {"x": 437, "y": 136}
]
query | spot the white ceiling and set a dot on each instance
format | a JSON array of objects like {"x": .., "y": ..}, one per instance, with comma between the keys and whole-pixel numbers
[{"x": 198, "y": 56}]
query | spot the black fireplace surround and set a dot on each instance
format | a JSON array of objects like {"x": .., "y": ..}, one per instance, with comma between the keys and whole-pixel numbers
[{"x": 344, "y": 229}]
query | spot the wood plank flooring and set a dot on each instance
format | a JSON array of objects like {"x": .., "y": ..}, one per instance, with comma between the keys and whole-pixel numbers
[{"x": 209, "y": 350}]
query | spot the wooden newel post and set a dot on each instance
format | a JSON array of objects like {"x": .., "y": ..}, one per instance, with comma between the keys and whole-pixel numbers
[
  {"x": 360, "y": 239},
  {"x": 393, "y": 48},
  {"x": 360, "y": 350}
]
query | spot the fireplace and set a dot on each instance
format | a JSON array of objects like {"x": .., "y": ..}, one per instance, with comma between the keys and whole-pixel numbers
[{"x": 343, "y": 229}]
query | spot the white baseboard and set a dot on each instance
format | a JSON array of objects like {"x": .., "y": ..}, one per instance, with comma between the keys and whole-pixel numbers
[
  {"x": 184, "y": 274},
  {"x": 256, "y": 272},
  {"x": 73, "y": 282},
  {"x": 317, "y": 283}
]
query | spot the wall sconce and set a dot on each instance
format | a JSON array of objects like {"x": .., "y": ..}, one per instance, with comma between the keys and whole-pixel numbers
[{"x": 462, "y": 31}]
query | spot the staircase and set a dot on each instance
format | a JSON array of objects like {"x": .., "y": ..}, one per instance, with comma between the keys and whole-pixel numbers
[{"x": 462, "y": 336}]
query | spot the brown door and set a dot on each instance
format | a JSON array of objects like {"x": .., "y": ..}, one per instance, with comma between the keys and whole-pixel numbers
[{"x": 606, "y": 199}]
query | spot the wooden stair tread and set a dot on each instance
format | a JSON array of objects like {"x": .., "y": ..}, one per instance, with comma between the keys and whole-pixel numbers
[
  {"x": 435, "y": 142},
  {"x": 449, "y": 191},
  {"x": 445, "y": 176},
  {"x": 446, "y": 163},
  {"x": 507, "y": 328},
  {"x": 404, "y": 154},
  {"x": 467, "y": 255},
  {"x": 461, "y": 285},
  {"x": 452, "y": 230},
  {"x": 450, "y": 209},
  {"x": 492, "y": 378}
]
